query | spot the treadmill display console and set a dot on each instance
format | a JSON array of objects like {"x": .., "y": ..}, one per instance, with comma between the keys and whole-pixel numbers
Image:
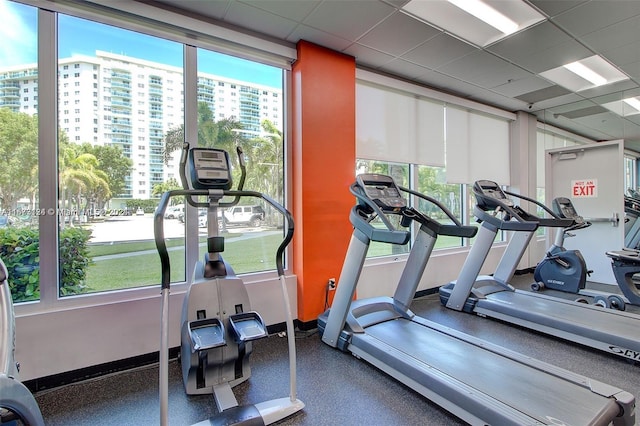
[
  {"x": 489, "y": 190},
  {"x": 382, "y": 190}
]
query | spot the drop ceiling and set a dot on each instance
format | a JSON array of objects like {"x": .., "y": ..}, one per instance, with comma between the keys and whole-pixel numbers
[{"x": 505, "y": 74}]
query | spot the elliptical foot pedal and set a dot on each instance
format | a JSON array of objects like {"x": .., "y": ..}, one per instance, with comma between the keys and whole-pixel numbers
[
  {"x": 206, "y": 334},
  {"x": 245, "y": 415},
  {"x": 247, "y": 326}
]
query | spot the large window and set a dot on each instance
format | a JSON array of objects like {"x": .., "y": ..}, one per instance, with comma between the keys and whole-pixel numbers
[
  {"x": 240, "y": 104},
  {"x": 431, "y": 182},
  {"x": 630, "y": 174},
  {"x": 20, "y": 213},
  {"x": 117, "y": 99},
  {"x": 114, "y": 110}
]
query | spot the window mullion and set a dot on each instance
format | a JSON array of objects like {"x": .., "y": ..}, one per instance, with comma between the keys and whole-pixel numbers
[
  {"x": 190, "y": 78},
  {"x": 48, "y": 155}
]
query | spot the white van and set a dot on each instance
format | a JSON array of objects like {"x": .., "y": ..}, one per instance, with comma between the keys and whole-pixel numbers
[{"x": 173, "y": 212}]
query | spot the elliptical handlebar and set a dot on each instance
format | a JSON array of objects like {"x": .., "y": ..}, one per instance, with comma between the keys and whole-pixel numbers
[{"x": 158, "y": 220}]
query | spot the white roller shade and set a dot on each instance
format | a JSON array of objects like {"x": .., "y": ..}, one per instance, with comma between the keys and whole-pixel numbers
[
  {"x": 477, "y": 147},
  {"x": 396, "y": 126}
]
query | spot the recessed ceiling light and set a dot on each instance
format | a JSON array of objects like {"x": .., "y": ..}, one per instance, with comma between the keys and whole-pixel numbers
[
  {"x": 624, "y": 107},
  {"x": 633, "y": 102},
  {"x": 487, "y": 14},
  {"x": 586, "y": 73},
  {"x": 473, "y": 20}
]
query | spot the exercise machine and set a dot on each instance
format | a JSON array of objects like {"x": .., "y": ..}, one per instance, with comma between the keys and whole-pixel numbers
[
  {"x": 17, "y": 404},
  {"x": 626, "y": 264},
  {"x": 566, "y": 270},
  {"x": 609, "y": 330},
  {"x": 217, "y": 323},
  {"x": 562, "y": 269},
  {"x": 475, "y": 380}
]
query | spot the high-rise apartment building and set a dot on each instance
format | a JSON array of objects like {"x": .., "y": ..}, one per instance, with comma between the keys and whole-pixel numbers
[{"x": 117, "y": 100}]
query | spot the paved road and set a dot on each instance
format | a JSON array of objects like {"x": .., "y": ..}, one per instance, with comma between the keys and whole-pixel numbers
[
  {"x": 132, "y": 228},
  {"x": 136, "y": 228}
]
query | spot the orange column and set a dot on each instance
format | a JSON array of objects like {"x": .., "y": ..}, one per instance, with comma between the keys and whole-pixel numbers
[{"x": 323, "y": 168}]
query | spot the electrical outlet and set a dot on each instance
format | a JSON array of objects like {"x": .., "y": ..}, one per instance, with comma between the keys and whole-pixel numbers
[{"x": 331, "y": 284}]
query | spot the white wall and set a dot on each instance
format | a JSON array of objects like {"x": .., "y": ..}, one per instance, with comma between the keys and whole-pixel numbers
[{"x": 381, "y": 278}]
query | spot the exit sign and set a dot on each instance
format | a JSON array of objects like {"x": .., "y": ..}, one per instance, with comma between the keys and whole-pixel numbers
[{"x": 585, "y": 188}]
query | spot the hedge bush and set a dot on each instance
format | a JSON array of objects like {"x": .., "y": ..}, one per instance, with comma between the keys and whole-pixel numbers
[{"x": 20, "y": 251}]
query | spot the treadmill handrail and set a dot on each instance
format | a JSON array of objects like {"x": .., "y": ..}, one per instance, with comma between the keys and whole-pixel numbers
[
  {"x": 455, "y": 230},
  {"x": 555, "y": 221},
  {"x": 524, "y": 221},
  {"x": 361, "y": 223}
]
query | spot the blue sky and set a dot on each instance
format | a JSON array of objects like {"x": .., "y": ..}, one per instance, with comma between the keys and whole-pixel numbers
[{"x": 82, "y": 37}]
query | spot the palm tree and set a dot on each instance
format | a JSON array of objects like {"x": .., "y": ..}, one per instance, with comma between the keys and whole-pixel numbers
[
  {"x": 265, "y": 162},
  {"x": 80, "y": 179},
  {"x": 221, "y": 134}
]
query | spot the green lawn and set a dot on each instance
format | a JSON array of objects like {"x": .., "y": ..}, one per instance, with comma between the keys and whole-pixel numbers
[
  {"x": 141, "y": 264},
  {"x": 141, "y": 267}
]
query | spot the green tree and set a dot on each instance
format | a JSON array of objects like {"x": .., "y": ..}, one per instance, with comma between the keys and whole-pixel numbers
[
  {"x": 114, "y": 164},
  {"x": 223, "y": 134},
  {"x": 265, "y": 162},
  {"x": 160, "y": 188},
  {"x": 19, "y": 153},
  {"x": 80, "y": 178}
]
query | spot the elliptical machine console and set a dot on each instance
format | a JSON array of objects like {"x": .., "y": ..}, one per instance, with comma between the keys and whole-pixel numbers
[
  {"x": 210, "y": 168},
  {"x": 217, "y": 323}
]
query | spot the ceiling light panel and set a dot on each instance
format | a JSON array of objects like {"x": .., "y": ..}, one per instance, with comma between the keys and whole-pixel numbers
[
  {"x": 624, "y": 107},
  {"x": 451, "y": 16},
  {"x": 571, "y": 76}
]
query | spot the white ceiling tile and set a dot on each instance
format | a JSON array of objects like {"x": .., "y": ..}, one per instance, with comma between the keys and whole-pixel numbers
[
  {"x": 321, "y": 38},
  {"x": 398, "y": 34},
  {"x": 554, "y": 7},
  {"x": 294, "y": 10},
  {"x": 483, "y": 69},
  {"x": 259, "y": 20},
  {"x": 212, "y": 9},
  {"x": 439, "y": 51},
  {"x": 524, "y": 85},
  {"x": 399, "y": 66},
  {"x": 615, "y": 36},
  {"x": 367, "y": 56},
  {"x": 348, "y": 19},
  {"x": 595, "y": 15}
]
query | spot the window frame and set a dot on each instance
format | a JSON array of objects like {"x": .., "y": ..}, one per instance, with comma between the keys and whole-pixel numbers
[{"x": 222, "y": 40}]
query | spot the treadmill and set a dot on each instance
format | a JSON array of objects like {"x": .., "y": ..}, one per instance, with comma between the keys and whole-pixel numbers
[
  {"x": 609, "y": 330},
  {"x": 475, "y": 380}
]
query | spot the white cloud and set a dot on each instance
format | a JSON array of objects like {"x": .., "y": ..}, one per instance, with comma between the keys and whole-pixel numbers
[{"x": 19, "y": 45}]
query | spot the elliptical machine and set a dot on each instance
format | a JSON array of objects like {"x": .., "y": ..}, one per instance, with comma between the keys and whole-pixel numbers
[
  {"x": 566, "y": 270},
  {"x": 217, "y": 323},
  {"x": 16, "y": 402}
]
